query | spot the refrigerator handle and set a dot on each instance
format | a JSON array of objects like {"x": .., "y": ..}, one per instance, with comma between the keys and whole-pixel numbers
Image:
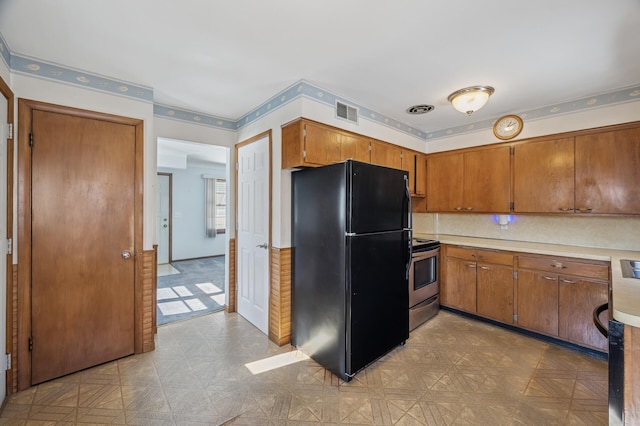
[{"x": 409, "y": 212}]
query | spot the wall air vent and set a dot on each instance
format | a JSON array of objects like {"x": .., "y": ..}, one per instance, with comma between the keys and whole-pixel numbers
[{"x": 347, "y": 112}]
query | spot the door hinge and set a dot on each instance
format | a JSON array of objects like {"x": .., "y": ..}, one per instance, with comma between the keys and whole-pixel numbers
[
  {"x": 8, "y": 365},
  {"x": 515, "y": 317},
  {"x": 9, "y": 246},
  {"x": 304, "y": 153},
  {"x": 31, "y": 139},
  {"x": 511, "y": 206},
  {"x": 512, "y": 150},
  {"x": 237, "y": 166},
  {"x": 515, "y": 274},
  {"x": 9, "y": 130},
  {"x": 30, "y": 344}
]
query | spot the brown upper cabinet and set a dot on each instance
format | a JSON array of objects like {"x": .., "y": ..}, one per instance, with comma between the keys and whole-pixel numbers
[
  {"x": 608, "y": 172},
  {"x": 306, "y": 143},
  {"x": 470, "y": 181},
  {"x": 384, "y": 154},
  {"x": 543, "y": 176},
  {"x": 590, "y": 173}
]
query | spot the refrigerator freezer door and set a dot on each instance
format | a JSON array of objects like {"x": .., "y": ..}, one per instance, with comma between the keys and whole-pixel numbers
[
  {"x": 378, "y": 200},
  {"x": 379, "y": 296},
  {"x": 318, "y": 275}
]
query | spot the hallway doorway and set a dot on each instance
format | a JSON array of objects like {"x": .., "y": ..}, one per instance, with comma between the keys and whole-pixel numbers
[{"x": 191, "y": 224}]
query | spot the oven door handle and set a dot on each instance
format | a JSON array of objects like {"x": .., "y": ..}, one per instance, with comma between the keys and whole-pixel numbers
[{"x": 410, "y": 222}]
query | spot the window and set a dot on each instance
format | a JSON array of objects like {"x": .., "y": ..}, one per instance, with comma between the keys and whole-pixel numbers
[{"x": 215, "y": 206}]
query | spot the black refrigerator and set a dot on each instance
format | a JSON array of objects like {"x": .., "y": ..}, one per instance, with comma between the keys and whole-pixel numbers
[{"x": 351, "y": 237}]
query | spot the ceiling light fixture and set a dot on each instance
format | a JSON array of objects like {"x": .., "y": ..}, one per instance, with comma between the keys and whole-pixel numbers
[{"x": 470, "y": 99}]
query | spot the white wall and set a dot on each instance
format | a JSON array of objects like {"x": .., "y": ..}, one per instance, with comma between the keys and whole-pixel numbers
[
  {"x": 281, "y": 185},
  {"x": 189, "y": 240},
  {"x": 5, "y": 73},
  {"x": 597, "y": 117},
  {"x": 77, "y": 97}
]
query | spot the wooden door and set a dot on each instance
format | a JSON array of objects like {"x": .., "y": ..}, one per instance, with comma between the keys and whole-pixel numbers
[
  {"x": 487, "y": 180},
  {"x": 460, "y": 287},
  {"x": 444, "y": 183},
  {"x": 386, "y": 155},
  {"x": 253, "y": 219},
  {"x": 578, "y": 297},
  {"x": 495, "y": 292},
  {"x": 543, "y": 177},
  {"x": 321, "y": 144},
  {"x": 608, "y": 172},
  {"x": 538, "y": 301},
  {"x": 82, "y": 243}
]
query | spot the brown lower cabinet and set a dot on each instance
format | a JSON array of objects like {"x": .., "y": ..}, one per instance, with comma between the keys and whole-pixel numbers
[
  {"x": 550, "y": 295},
  {"x": 495, "y": 292},
  {"x": 576, "y": 299},
  {"x": 538, "y": 301}
]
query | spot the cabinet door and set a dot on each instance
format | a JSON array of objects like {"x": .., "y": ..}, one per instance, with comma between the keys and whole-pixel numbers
[
  {"x": 409, "y": 164},
  {"x": 421, "y": 174},
  {"x": 543, "y": 177},
  {"x": 460, "y": 288},
  {"x": 387, "y": 155},
  {"x": 495, "y": 292},
  {"x": 608, "y": 172},
  {"x": 578, "y": 297},
  {"x": 487, "y": 180},
  {"x": 538, "y": 301},
  {"x": 354, "y": 147},
  {"x": 321, "y": 144},
  {"x": 444, "y": 183}
]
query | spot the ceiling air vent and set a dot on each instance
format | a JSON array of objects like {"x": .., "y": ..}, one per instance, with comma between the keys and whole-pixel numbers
[{"x": 347, "y": 112}]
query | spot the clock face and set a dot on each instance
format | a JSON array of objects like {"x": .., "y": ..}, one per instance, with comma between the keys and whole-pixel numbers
[{"x": 507, "y": 127}]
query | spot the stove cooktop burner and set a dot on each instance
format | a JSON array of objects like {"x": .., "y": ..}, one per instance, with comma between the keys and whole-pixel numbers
[{"x": 423, "y": 244}]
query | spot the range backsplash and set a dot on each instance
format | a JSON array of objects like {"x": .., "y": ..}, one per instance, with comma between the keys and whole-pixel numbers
[{"x": 603, "y": 232}]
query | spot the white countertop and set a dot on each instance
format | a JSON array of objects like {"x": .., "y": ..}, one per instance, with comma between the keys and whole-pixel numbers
[{"x": 625, "y": 291}]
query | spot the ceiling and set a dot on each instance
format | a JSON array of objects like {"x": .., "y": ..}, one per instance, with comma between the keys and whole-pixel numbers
[{"x": 225, "y": 58}]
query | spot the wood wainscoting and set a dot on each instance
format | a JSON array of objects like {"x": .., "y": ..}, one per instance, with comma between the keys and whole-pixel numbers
[
  {"x": 149, "y": 297},
  {"x": 280, "y": 296},
  {"x": 231, "y": 305}
]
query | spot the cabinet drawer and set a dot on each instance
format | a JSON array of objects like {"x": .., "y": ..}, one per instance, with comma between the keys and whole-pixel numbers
[
  {"x": 461, "y": 253},
  {"x": 495, "y": 257},
  {"x": 565, "y": 266}
]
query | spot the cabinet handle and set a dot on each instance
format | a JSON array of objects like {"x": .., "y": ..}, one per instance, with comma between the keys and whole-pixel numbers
[
  {"x": 485, "y": 268},
  {"x": 568, "y": 281},
  {"x": 549, "y": 278},
  {"x": 585, "y": 210},
  {"x": 562, "y": 209},
  {"x": 458, "y": 208},
  {"x": 558, "y": 265},
  {"x": 469, "y": 208},
  {"x": 471, "y": 265}
]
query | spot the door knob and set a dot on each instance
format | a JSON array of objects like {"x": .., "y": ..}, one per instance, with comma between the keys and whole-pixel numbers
[
  {"x": 264, "y": 246},
  {"x": 126, "y": 255}
]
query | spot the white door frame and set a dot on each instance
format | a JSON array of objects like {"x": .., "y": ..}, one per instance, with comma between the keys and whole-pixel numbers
[
  {"x": 234, "y": 285},
  {"x": 6, "y": 218},
  {"x": 168, "y": 223}
]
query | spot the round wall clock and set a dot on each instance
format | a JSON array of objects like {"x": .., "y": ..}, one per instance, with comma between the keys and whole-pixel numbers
[{"x": 507, "y": 127}]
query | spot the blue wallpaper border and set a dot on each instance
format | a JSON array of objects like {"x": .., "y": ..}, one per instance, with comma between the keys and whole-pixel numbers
[{"x": 302, "y": 88}]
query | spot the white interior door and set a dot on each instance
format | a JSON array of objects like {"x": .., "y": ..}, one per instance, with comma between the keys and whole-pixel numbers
[
  {"x": 3, "y": 236},
  {"x": 253, "y": 233},
  {"x": 163, "y": 220}
]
